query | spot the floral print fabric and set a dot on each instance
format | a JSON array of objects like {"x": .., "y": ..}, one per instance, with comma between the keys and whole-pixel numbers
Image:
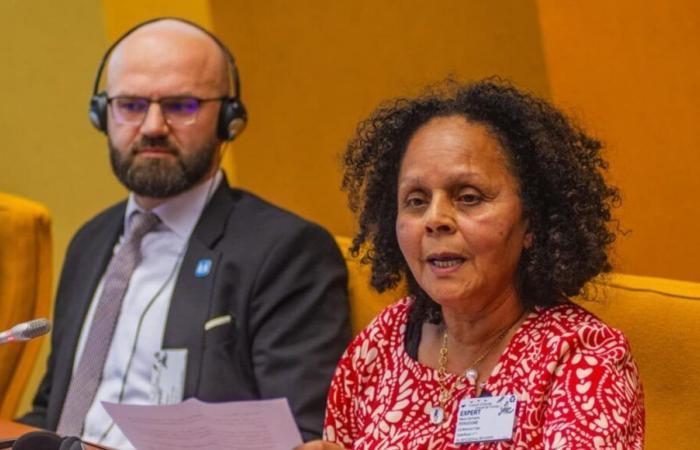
[{"x": 576, "y": 382}]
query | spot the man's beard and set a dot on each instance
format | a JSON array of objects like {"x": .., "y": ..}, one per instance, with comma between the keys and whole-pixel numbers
[{"x": 161, "y": 177}]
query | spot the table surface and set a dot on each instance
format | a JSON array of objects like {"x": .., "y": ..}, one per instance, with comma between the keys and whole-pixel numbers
[{"x": 10, "y": 430}]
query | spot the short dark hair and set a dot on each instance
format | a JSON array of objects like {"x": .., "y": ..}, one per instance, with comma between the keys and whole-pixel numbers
[{"x": 560, "y": 170}]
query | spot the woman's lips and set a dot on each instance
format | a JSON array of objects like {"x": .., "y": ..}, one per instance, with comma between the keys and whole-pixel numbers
[{"x": 442, "y": 263}]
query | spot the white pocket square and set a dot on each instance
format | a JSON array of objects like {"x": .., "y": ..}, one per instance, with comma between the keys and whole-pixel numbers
[{"x": 217, "y": 322}]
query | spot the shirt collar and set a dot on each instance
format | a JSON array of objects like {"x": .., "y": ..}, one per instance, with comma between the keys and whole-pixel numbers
[{"x": 181, "y": 212}]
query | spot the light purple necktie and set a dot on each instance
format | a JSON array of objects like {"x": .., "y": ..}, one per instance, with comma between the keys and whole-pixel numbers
[{"x": 88, "y": 375}]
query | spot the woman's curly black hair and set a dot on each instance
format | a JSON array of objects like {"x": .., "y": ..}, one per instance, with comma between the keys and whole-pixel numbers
[{"x": 558, "y": 166}]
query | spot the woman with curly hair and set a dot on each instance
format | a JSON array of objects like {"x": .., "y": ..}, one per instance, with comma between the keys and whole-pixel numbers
[{"x": 493, "y": 207}]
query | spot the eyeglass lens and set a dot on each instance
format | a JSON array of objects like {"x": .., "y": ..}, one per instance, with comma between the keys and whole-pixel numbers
[{"x": 176, "y": 110}]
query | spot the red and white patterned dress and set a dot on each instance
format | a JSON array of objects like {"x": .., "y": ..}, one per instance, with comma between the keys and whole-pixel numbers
[{"x": 576, "y": 383}]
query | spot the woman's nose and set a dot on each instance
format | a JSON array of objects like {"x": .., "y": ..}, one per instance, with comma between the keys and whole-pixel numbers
[{"x": 439, "y": 217}]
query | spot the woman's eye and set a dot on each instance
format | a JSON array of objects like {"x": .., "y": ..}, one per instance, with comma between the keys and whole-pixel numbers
[
  {"x": 414, "y": 202},
  {"x": 469, "y": 199}
]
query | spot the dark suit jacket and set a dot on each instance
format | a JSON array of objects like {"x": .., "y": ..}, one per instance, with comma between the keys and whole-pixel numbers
[{"x": 282, "y": 280}]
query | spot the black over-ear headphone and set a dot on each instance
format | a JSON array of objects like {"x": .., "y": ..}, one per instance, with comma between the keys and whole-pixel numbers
[
  {"x": 43, "y": 440},
  {"x": 232, "y": 115}
]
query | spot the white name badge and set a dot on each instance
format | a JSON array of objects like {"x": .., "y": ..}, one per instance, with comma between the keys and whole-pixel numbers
[
  {"x": 485, "y": 419},
  {"x": 168, "y": 377}
]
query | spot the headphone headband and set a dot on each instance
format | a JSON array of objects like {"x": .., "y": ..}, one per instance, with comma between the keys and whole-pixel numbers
[{"x": 232, "y": 115}]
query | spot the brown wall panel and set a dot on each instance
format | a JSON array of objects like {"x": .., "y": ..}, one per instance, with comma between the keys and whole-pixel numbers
[
  {"x": 312, "y": 69},
  {"x": 630, "y": 71}
]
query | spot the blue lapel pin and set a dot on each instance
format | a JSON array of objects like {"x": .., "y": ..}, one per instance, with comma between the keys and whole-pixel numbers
[{"x": 203, "y": 268}]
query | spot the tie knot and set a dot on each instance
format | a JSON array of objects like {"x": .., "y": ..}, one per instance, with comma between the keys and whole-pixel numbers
[{"x": 142, "y": 223}]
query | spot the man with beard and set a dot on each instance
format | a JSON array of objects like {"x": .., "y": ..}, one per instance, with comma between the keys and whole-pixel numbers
[{"x": 189, "y": 288}]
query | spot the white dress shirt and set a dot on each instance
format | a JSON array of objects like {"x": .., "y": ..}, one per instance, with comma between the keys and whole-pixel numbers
[{"x": 141, "y": 323}]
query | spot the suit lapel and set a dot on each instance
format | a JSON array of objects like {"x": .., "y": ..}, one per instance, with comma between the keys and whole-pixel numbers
[
  {"x": 191, "y": 301},
  {"x": 98, "y": 255}
]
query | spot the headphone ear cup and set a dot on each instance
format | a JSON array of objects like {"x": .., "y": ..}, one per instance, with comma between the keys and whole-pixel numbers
[
  {"x": 38, "y": 440},
  {"x": 232, "y": 119},
  {"x": 71, "y": 443},
  {"x": 98, "y": 111}
]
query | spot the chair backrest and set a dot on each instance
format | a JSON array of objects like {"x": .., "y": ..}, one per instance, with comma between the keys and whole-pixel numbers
[
  {"x": 365, "y": 302},
  {"x": 25, "y": 289},
  {"x": 658, "y": 316}
]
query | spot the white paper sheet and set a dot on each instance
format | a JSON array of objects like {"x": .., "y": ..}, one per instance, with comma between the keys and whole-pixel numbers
[{"x": 248, "y": 425}]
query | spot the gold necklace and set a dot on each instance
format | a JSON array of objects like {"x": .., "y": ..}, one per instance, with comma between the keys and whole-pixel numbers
[{"x": 437, "y": 413}]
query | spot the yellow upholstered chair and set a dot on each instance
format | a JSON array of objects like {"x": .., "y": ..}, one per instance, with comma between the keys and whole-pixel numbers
[
  {"x": 659, "y": 317},
  {"x": 365, "y": 302},
  {"x": 25, "y": 289}
]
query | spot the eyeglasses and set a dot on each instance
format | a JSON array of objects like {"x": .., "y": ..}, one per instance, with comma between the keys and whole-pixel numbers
[{"x": 176, "y": 110}]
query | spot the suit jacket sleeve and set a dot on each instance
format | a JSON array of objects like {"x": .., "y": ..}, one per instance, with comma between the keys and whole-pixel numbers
[{"x": 300, "y": 323}]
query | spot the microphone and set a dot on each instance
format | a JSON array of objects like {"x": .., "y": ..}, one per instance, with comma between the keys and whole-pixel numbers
[{"x": 25, "y": 331}]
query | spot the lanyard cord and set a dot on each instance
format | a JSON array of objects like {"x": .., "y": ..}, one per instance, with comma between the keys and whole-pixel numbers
[{"x": 172, "y": 273}]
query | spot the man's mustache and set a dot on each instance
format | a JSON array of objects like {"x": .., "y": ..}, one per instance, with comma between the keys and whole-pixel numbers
[{"x": 149, "y": 143}]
